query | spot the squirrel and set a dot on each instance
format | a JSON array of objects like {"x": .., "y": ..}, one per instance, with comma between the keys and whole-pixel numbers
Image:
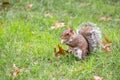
[{"x": 82, "y": 42}]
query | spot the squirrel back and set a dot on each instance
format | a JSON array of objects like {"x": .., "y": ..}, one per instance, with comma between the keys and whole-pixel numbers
[{"x": 92, "y": 34}]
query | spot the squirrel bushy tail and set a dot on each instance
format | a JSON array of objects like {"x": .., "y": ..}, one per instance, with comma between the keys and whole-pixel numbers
[{"x": 92, "y": 34}]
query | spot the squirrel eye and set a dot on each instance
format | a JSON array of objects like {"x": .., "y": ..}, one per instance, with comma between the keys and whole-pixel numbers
[{"x": 67, "y": 34}]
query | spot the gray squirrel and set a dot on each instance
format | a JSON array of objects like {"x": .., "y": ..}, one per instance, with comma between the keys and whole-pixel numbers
[{"x": 82, "y": 42}]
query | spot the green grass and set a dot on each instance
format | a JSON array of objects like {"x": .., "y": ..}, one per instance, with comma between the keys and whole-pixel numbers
[{"x": 26, "y": 39}]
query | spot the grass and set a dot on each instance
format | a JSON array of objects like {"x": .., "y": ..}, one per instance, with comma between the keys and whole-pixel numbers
[{"x": 27, "y": 40}]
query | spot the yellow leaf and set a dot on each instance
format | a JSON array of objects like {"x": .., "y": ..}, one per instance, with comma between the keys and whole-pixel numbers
[
  {"x": 97, "y": 78},
  {"x": 58, "y": 25},
  {"x": 105, "y": 18},
  {"x": 29, "y": 6}
]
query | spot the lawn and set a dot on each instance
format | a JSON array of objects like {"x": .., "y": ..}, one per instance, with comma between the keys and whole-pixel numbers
[{"x": 27, "y": 41}]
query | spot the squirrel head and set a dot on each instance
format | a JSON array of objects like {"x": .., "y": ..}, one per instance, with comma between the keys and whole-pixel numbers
[{"x": 66, "y": 35}]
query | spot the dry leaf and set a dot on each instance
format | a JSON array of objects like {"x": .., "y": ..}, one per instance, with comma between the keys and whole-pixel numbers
[
  {"x": 48, "y": 15},
  {"x": 105, "y": 18},
  {"x": 15, "y": 67},
  {"x": 16, "y": 72},
  {"x": 107, "y": 48},
  {"x": 107, "y": 40},
  {"x": 60, "y": 52},
  {"x": 57, "y": 25},
  {"x": 29, "y": 6},
  {"x": 97, "y": 78},
  {"x": 5, "y": 3},
  {"x": 84, "y": 4},
  {"x": 106, "y": 45}
]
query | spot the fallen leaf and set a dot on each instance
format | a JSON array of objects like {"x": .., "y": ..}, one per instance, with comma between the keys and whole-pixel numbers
[
  {"x": 14, "y": 74},
  {"x": 58, "y": 25},
  {"x": 48, "y": 15},
  {"x": 84, "y": 4},
  {"x": 106, "y": 45},
  {"x": 29, "y": 6},
  {"x": 60, "y": 52},
  {"x": 97, "y": 78},
  {"x": 5, "y": 3},
  {"x": 107, "y": 40},
  {"x": 105, "y": 18},
  {"x": 16, "y": 71}
]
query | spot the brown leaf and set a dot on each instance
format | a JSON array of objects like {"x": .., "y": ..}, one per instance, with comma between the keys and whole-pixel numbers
[
  {"x": 29, "y": 6},
  {"x": 57, "y": 25},
  {"x": 107, "y": 40},
  {"x": 16, "y": 72},
  {"x": 106, "y": 46},
  {"x": 60, "y": 52},
  {"x": 5, "y": 3},
  {"x": 15, "y": 67},
  {"x": 105, "y": 18},
  {"x": 97, "y": 78}
]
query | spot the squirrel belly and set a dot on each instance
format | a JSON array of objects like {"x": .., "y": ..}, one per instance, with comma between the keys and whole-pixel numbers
[{"x": 82, "y": 42}]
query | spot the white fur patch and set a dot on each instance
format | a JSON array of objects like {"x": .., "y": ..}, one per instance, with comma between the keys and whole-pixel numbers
[
  {"x": 62, "y": 40},
  {"x": 78, "y": 53},
  {"x": 70, "y": 39}
]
